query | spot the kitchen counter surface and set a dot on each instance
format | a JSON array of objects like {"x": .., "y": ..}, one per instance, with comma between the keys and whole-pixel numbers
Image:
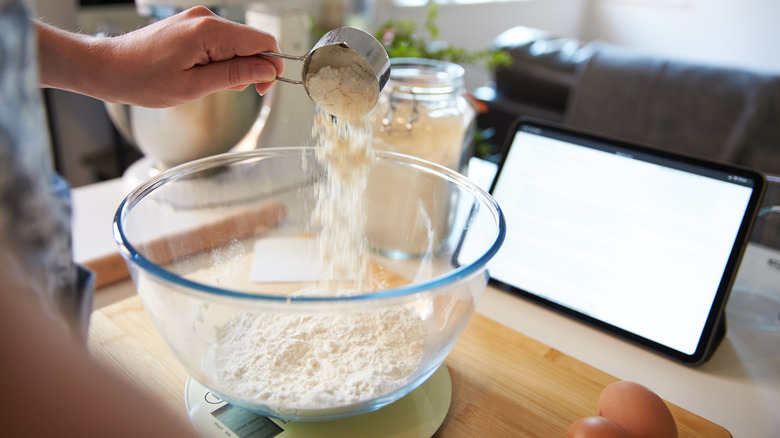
[
  {"x": 738, "y": 388},
  {"x": 528, "y": 390}
]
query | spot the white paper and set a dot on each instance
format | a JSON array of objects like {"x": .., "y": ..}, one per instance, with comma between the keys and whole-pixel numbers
[{"x": 286, "y": 259}]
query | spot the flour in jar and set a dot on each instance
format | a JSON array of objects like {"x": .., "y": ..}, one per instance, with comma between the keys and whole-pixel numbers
[{"x": 335, "y": 358}]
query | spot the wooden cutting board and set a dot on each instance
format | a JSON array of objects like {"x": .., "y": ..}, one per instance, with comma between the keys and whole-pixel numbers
[{"x": 504, "y": 384}]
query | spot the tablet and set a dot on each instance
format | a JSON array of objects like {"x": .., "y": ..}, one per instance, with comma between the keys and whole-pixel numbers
[{"x": 639, "y": 241}]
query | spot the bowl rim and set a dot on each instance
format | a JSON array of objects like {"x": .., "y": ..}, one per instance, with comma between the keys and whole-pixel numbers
[{"x": 131, "y": 255}]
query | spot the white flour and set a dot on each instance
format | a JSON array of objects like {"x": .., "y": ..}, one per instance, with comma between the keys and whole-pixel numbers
[
  {"x": 347, "y": 92},
  {"x": 327, "y": 360},
  {"x": 318, "y": 361},
  {"x": 344, "y": 148},
  {"x": 341, "y": 82}
]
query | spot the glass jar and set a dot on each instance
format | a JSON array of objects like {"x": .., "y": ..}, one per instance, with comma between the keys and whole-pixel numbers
[{"x": 423, "y": 112}]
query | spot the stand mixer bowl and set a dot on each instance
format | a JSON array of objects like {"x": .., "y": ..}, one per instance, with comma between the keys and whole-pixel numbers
[
  {"x": 191, "y": 238},
  {"x": 207, "y": 126}
]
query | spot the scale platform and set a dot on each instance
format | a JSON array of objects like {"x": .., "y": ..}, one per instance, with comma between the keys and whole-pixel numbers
[{"x": 418, "y": 414}]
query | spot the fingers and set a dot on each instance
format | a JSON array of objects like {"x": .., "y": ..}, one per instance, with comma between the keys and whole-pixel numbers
[
  {"x": 263, "y": 88},
  {"x": 233, "y": 50},
  {"x": 235, "y": 73},
  {"x": 222, "y": 39},
  {"x": 185, "y": 57},
  {"x": 278, "y": 63}
]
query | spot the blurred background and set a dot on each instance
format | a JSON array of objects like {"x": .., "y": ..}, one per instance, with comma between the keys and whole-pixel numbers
[{"x": 88, "y": 147}]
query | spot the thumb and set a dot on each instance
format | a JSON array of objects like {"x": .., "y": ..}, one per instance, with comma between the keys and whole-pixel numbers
[{"x": 234, "y": 73}]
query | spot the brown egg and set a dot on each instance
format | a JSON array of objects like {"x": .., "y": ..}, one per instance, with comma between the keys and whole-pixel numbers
[
  {"x": 596, "y": 427},
  {"x": 640, "y": 411}
]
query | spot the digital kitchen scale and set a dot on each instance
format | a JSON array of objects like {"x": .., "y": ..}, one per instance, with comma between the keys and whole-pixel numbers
[{"x": 418, "y": 414}]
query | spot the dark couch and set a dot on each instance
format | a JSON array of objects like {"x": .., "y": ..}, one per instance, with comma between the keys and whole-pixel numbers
[{"x": 722, "y": 113}]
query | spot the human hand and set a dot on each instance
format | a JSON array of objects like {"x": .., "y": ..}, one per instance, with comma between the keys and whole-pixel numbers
[{"x": 182, "y": 58}]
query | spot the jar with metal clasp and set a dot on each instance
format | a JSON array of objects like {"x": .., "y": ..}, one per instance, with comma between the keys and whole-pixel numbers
[{"x": 423, "y": 112}]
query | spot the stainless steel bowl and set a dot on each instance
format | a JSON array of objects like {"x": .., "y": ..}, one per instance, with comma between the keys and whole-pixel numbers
[{"x": 207, "y": 126}]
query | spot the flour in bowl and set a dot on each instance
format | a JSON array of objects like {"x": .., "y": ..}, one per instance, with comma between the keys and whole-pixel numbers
[
  {"x": 330, "y": 359},
  {"x": 318, "y": 360}
]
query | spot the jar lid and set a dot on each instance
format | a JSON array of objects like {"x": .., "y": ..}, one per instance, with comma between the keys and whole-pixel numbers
[{"x": 412, "y": 78}]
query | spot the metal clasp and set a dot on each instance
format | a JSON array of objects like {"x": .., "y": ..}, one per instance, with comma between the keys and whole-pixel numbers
[{"x": 389, "y": 124}]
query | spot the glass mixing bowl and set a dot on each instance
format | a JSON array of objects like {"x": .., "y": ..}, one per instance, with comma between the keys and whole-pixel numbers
[{"x": 220, "y": 251}]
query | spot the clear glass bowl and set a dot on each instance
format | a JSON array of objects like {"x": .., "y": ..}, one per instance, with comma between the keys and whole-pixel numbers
[{"x": 190, "y": 237}]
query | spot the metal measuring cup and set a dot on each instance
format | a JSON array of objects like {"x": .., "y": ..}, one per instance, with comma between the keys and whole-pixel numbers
[{"x": 354, "y": 46}]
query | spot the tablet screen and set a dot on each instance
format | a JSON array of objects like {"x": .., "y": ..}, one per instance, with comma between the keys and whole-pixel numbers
[{"x": 638, "y": 240}]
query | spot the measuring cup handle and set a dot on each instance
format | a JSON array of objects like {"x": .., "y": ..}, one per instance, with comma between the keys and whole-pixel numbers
[{"x": 282, "y": 55}]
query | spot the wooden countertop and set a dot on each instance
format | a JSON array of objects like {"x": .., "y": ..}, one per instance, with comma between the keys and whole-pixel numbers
[
  {"x": 738, "y": 388},
  {"x": 504, "y": 383}
]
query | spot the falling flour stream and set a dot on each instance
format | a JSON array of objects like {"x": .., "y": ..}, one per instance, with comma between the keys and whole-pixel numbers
[{"x": 326, "y": 360}]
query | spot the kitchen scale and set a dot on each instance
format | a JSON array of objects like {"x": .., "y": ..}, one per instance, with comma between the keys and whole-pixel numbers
[{"x": 418, "y": 414}]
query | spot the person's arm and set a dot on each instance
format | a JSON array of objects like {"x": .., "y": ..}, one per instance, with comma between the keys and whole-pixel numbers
[
  {"x": 53, "y": 387},
  {"x": 166, "y": 63}
]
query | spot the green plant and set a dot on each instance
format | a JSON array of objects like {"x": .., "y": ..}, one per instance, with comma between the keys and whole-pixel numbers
[{"x": 401, "y": 39}]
